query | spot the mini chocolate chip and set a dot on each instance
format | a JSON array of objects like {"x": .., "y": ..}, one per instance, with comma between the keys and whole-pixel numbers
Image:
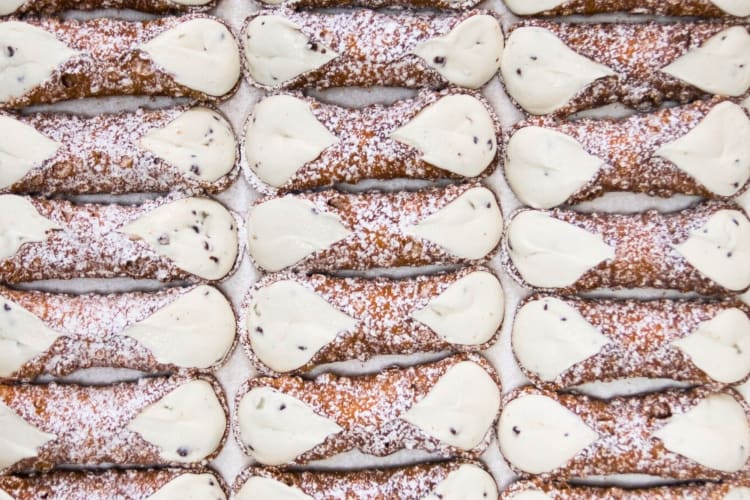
[
  {"x": 533, "y": 58},
  {"x": 489, "y": 204},
  {"x": 183, "y": 452},
  {"x": 249, "y": 447},
  {"x": 476, "y": 140},
  {"x": 736, "y": 223},
  {"x": 313, "y": 46},
  {"x": 516, "y": 430},
  {"x": 567, "y": 434},
  {"x": 301, "y": 348},
  {"x": 439, "y": 60},
  {"x": 314, "y": 210},
  {"x": 519, "y": 72},
  {"x": 282, "y": 407},
  {"x": 195, "y": 228},
  {"x": 736, "y": 184},
  {"x": 194, "y": 169},
  {"x": 214, "y": 259},
  {"x": 453, "y": 431},
  {"x": 206, "y": 246},
  {"x": 163, "y": 239},
  {"x": 6, "y": 307},
  {"x": 259, "y": 330},
  {"x": 11, "y": 51},
  {"x": 322, "y": 51},
  {"x": 489, "y": 143},
  {"x": 194, "y": 212},
  {"x": 210, "y": 482},
  {"x": 729, "y": 254},
  {"x": 563, "y": 319},
  {"x": 546, "y": 307}
]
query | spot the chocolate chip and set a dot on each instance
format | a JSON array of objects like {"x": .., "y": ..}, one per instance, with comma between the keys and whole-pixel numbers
[
  {"x": 259, "y": 330},
  {"x": 736, "y": 184},
  {"x": 453, "y": 431},
  {"x": 563, "y": 319},
  {"x": 206, "y": 246},
  {"x": 322, "y": 51},
  {"x": 546, "y": 307},
  {"x": 214, "y": 259},
  {"x": 301, "y": 348},
  {"x": 282, "y": 407},
  {"x": 519, "y": 72},
  {"x": 489, "y": 204},
  {"x": 6, "y": 307},
  {"x": 736, "y": 223},
  {"x": 439, "y": 60},
  {"x": 729, "y": 255},
  {"x": 210, "y": 482},
  {"x": 516, "y": 430},
  {"x": 163, "y": 239},
  {"x": 476, "y": 140},
  {"x": 313, "y": 46},
  {"x": 533, "y": 58},
  {"x": 183, "y": 452},
  {"x": 10, "y": 50},
  {"x": 489, "y": 143},
  {"x": 194, "y": 169},
  {"x": 567, "y": 434},
  {"x": 195, "y": 228}
]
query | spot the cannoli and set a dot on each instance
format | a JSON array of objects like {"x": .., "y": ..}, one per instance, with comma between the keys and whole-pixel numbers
[
  {"x": 426, "y": 407},
  {"x": 49, "y": 60},
  {"x": 331, "y": 230},
  {"x": 703, "y": 249},
  {"x": 156, "y": 151},
  {"x": 176, "y": 329},
  {"x": 693, "y": 434},
  {"x": 374, "y": 4},
  {"x": 154, "y": 421},
  {"x": 438, "y": 480},
  {"x": 563, "y": 342},
  {"x": 695, "y": 149},
  {"x": 50, "y": 7},
  {"x": 563, "y": 68},
  {"x": 169, "y": 239},
  {"x": 546, "y": 490},
  {"x": 365, "y": 48},
  {"x": 696, "y": 8},
  {"x": 293, "y": 322},
  {"x": 294, "y": 143},
  {"x": 144, "y": 484}
]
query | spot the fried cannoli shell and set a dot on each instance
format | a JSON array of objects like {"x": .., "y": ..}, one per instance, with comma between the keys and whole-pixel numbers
[
  {"x": 88, "y": 425},
  {"x": 369, "y": 410},
  {"x": 383, "y": 312},
  {"x": 414, "y": 481},
  {"x": 110, "y": 61},
  {"x": 134, "y": 484},
  {"x": 692, "y": 8},
  {"x": 105, "y": 154},
  {"x": 563, "y": 491},
  {"x": 92, "y": 326},
  {"x": 641, "y": 249},
  {"x": 370, "y": 129},
  {"x": 640, "y": 339},
  {"x": 50, "y": 7},
  {"x": 375, "y": 229},
  {"x": 626, "y": 435},
  {"x": 375, "y": 4}
]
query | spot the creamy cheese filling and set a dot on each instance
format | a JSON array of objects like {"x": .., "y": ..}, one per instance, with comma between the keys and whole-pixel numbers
[
  {"x": 28, "y": 58},
  {"x": 537, "y": 434},
  {"x": 527, "y": 7},
  {"x": 23, "y": 337},
  {"x": 10, "y": 6},
  {"x": 4, "y": 495},
  {"x": 18, "y": 438},
  {"x": 190, "y": 486},
  {"x": 200, "y": 143},
  {"x": 196, "y": 330},
  {"x": 545, "y": 167},
  {"x": 720, "y": 249},
  {"x": 530, "y": 495},
  {"x": 468, "y": 482},
  {"x": 738, "y": 493},
  {"x": 200, "y": 54},
  {"x": 469, "y": 55},
  {"x": 191, "y": 2},
  {"x": 542, "y": 73},
  {"x": 277, "y": 51},
  {"x": 265, "y": 488},
  {"x": 715, "y": 153},
  {"x": 187, "y": 425},
  {"x": 552, "y": 253},
  {"x": 283, "y": 135},
  {"x": 468, "y": 227},
  {"x": 198, "y": 234},
  {"x": 720, "y": 66},
  {"x": 713, "y": 433},
  {"x": 455, "y": 133},
  {"x": 739, "y": 8},
  {"x": 22, "y": 148},
  {"x": 277, "y": 428},
  {"x": 469, "y": 312},
  {"x": 549, "y": 337},
  {"x": 284, "y": 231},
  {"x": 455, "y": 416},
  {"x": 289, "y": 323},
  {"x": 20, "y": 223}
]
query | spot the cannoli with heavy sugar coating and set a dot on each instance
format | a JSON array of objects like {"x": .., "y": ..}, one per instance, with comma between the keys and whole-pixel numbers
[
  {"x": 547, "y": 490},
  {"x": 693, "y": 434},
  {"x": 694, "y": 149},
  {"x": 172, "y": 330},
  {"x": 169, "y": 239},
  {"x": 373, "y": 4},
  {"x": 332, "y": 230},
  {"x": 49, "y": 60},
  {"x": 174, "y": 421},
  {"x": 50, "y": 7},
  {"x": 157, "y": 151},
  {"x": 293, "y": 322},
  {"x": 562, "y": 342},
  {"x": 704, "y": 249},
  {"x": 284, "y": 49},
  {"x": 426, "y": 407},
  {"x": 295, "y": 143},
  {"x": 438, "y": 480},
  {"x": 562, "y": 68},
  {"x": 693, "y": 8},
  {"x": 138, "y": 484}
]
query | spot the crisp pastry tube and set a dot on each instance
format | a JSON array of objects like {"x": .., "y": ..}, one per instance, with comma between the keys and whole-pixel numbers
[
  {"x": 170, "y": 239},
  {"x": 693, "y": 434},
  {"x": 145, "y": 151},
  {"x": 373, "y": 4},
  {"x": 172, "y": 330},
  {"x": 332, "y": 230},
  {"x": 546, "y": 490},
  {"x": 703, "y": 249},
  {"x": 50, "y": 7},
  {"x": 49, "y": 60},
  {"x": 296, "y": 143},
  {"x": 138, "y": 484},
  {"x": 695, "y": 149},
  {"x": 293, "y": 322},
  {"x": 289, "y": 419},
  {"x": 562, "y": 68},
  {"x": 284, "y": 49},
  {"x": 438, "y": 480},
  {"x": 174, "y": 421},
  {"x": 562, "y": 342},
  {"x": 694, "y": 8}
]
